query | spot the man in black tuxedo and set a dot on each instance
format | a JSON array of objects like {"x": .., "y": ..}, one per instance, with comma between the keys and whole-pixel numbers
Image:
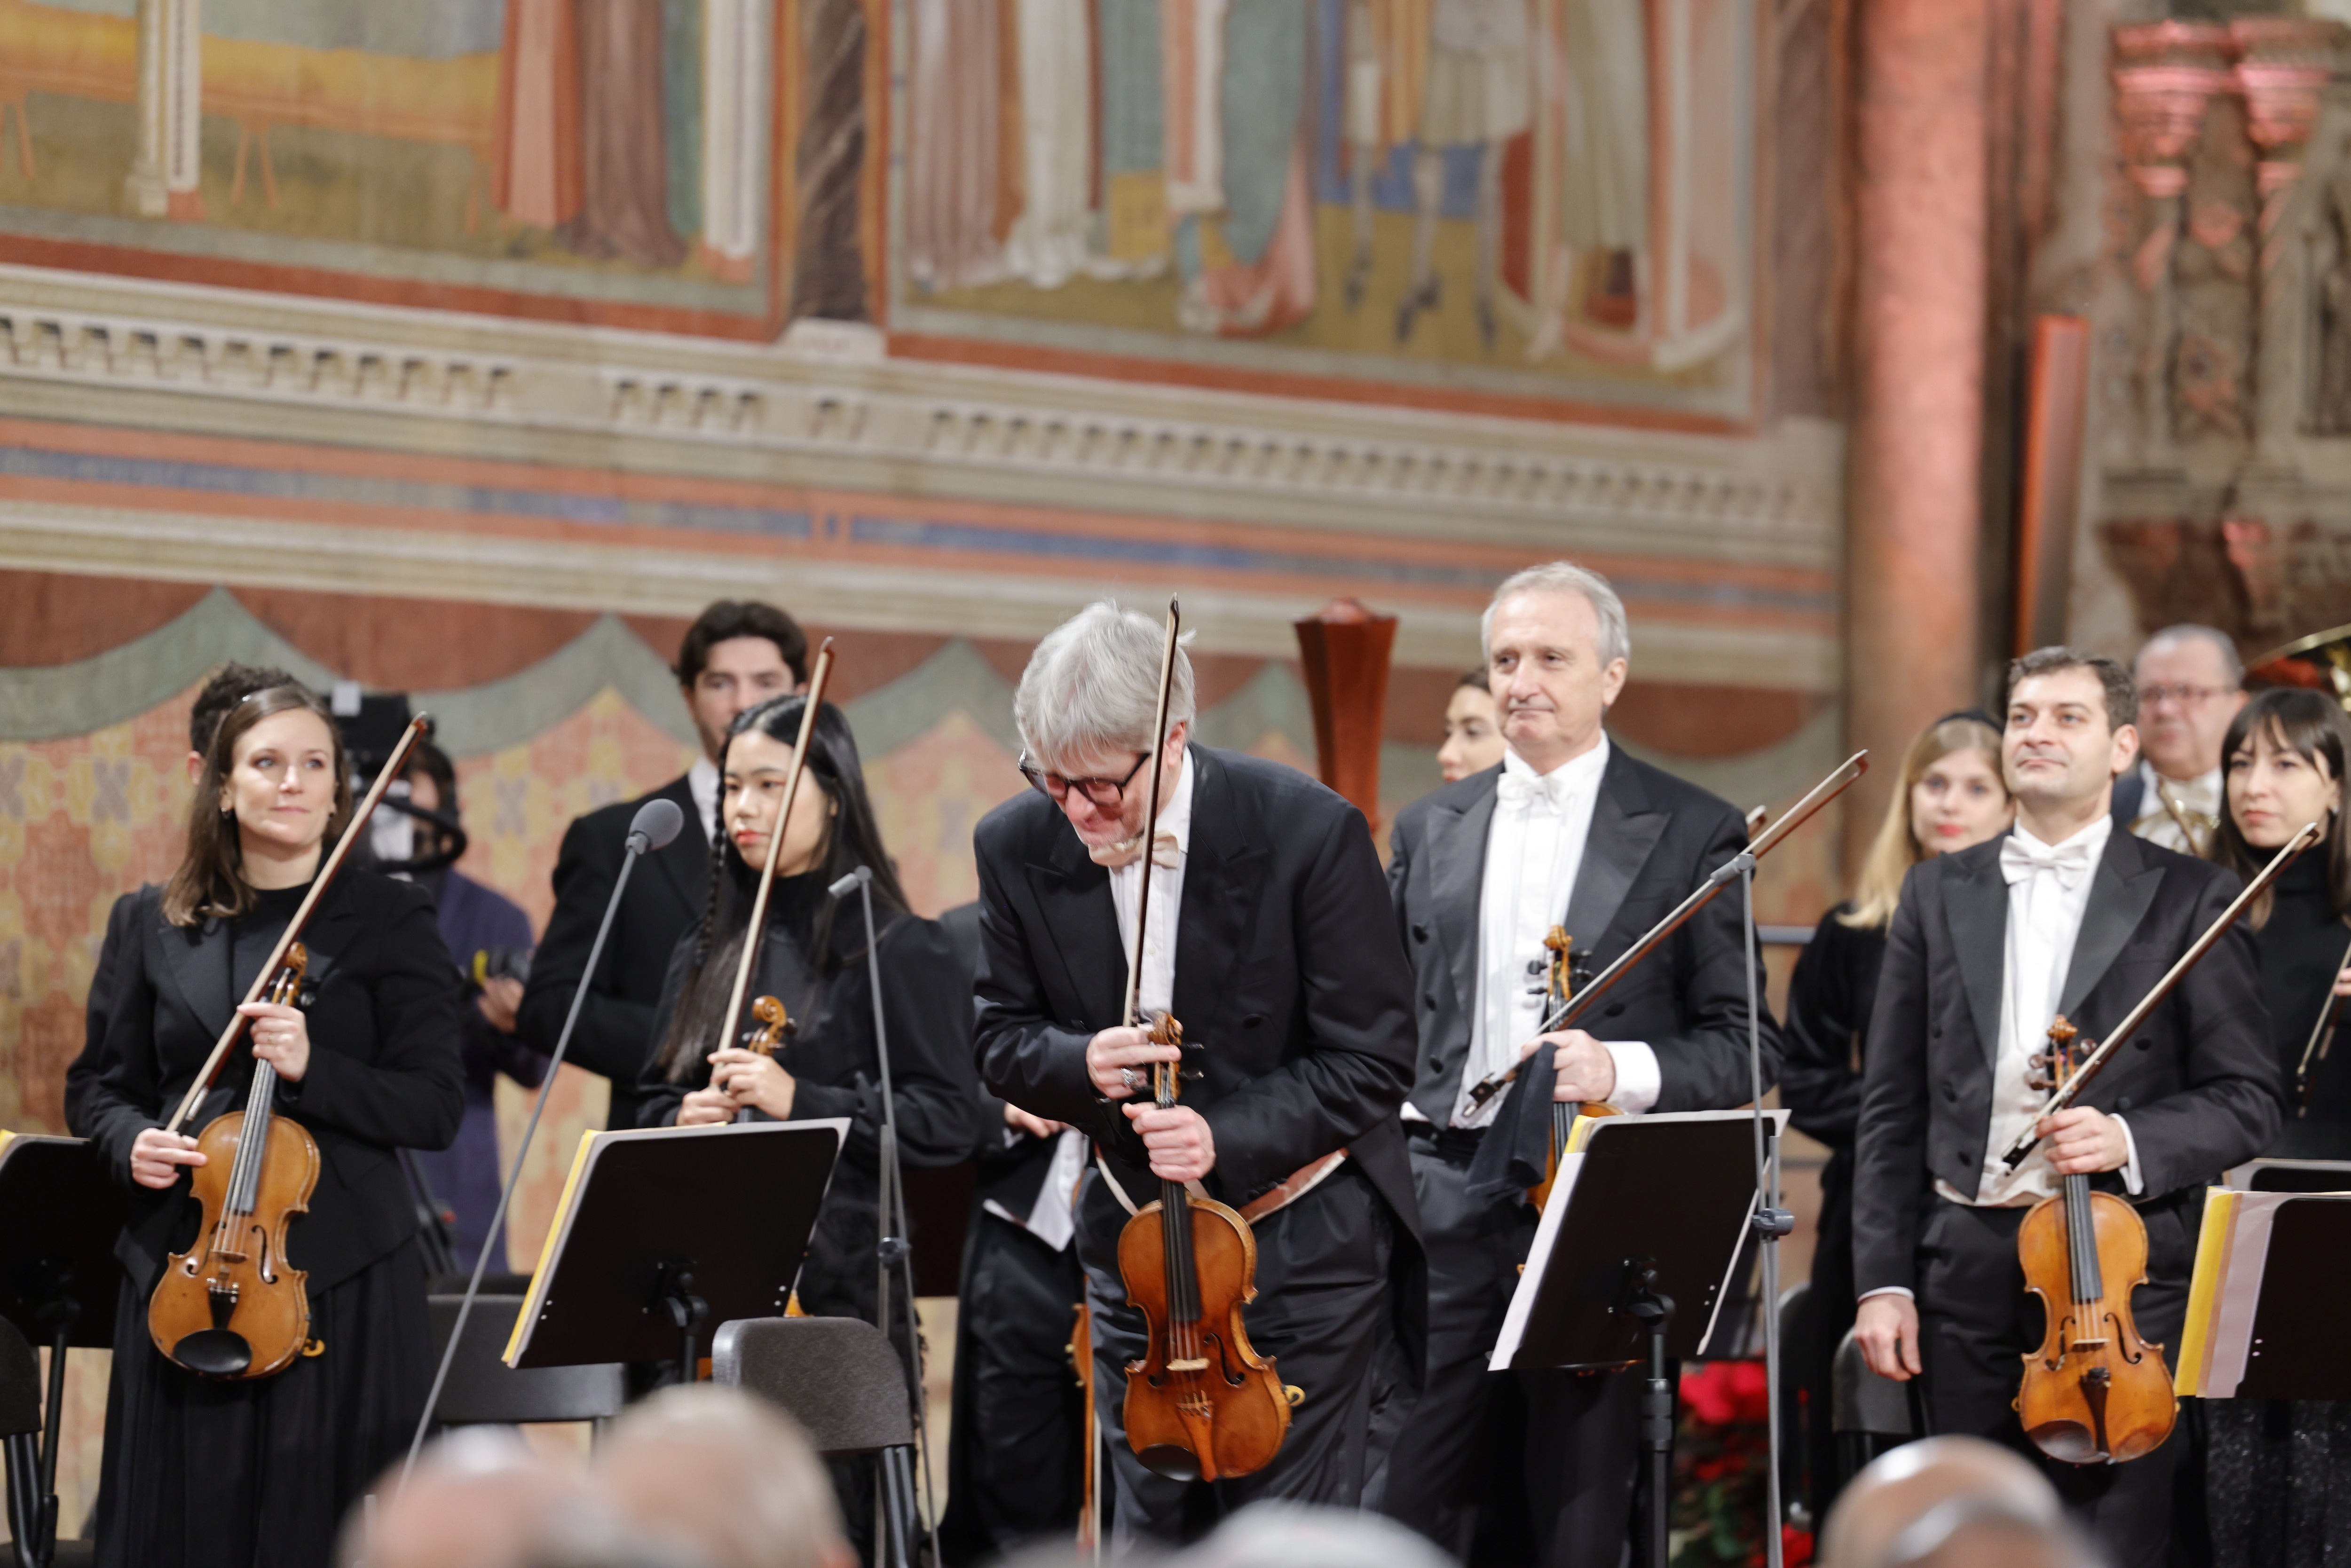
[
  {"x": 2066, "y": 915},
  {"x": 1269, "y": 940},
  {"x": 1568, "y": 830},
  {"x": 735, "y": 655}
]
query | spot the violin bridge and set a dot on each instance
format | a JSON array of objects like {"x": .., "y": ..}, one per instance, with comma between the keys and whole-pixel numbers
[{"x": 1189, "y": 1364}]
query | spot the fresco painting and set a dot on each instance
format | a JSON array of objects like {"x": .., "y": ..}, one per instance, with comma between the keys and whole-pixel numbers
[{"x": 1531, "y": 195}]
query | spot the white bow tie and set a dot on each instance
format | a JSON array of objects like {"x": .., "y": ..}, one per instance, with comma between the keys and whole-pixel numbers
[
  {"x": 1521, "y": 789},
  {"x": 2071, "y": 861}
]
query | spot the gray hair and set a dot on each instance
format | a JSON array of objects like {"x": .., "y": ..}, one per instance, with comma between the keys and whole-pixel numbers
[
  {"x": 1093, "y": 681},
  {"x": 722, "y": 1475},
  {"x": 1565, "y": 577},
  {"x": 2190, "y": 631}
]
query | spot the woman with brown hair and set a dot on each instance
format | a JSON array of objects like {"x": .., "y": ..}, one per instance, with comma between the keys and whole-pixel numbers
[
  {"x": 199, "y": 1471},
  {"x": 1951, "y": 796}
]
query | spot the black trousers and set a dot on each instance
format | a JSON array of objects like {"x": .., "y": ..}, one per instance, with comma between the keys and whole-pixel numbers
[
  {"x": 1508, "y": 1470},
  {"x": 1323, "y": 1316},
  {"x": 1016, "y": 1450},
  {"x": 1976, "y": 1324}
]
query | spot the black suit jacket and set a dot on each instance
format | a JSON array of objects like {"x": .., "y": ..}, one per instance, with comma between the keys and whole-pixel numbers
[
  {"x": 1008, "y": 1166},
  {"x": 81, "y": 1076},
  {"x": 1654, "y": 839},
  {"x": 1287, "y": 977},
  {"x": 385, "y": 1072},
  {"x": 2197, "y": 1082},
  {"x": 664, "y": 899}
]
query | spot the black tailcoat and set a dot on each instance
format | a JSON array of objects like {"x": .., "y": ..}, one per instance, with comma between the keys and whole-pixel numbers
[
  {"x": 2197, "y": 1082},
  {"x": 664, "y": 899}
]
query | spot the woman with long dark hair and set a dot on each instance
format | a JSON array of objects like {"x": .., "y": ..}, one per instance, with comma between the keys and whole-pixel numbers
[
  {"x": 813, "y": 959},
  {"x": 198, "y": 1471},
  {"x": 1951, "y": 796},
  {"x": 2277, "y": 1472}
]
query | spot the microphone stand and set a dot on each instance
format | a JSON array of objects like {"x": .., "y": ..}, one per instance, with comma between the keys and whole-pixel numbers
[
  {"x": 895, "y": 1248},
  {"x": 657, "y": 821}
]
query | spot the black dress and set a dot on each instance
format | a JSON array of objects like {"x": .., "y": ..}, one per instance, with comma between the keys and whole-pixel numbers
[
  {"x": 262, "y": 1473},
  {"x": 2278, "y": 1472},
  {"x": 1829, "y": 1000},
  {"x": 835, "y": 1067}
]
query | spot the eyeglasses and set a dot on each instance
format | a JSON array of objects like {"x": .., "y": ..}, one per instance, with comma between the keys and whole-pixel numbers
[
  {"x": 2185, "y": 696},
  {"x": 1104, "y": 792}
]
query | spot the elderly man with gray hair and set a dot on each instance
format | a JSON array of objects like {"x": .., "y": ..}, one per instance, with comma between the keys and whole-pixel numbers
[
  {"x": 1566, "y": 830},
  {"x": 2191, "y": 683},
  {"x": 1269, "y": 938}
]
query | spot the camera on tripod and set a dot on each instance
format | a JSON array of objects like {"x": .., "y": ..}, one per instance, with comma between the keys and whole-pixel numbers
[{"x": 403, "y": 838}]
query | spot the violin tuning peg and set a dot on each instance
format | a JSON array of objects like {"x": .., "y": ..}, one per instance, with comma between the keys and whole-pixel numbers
[{"x": 1193, "y": 1074}]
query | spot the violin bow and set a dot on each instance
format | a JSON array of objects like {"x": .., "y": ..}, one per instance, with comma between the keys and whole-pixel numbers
[
  {"x": 2322, "y": 1036},
  {"x": 1567, "y": 1012},
  {"x": 754, "y": 933},
  {"x": 1151, "y": 809},
  {"x": 418, "y": 728},
  {"x": 2079, "y": 1079}
]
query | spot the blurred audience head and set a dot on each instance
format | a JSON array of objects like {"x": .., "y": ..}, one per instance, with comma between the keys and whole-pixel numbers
[
  {"x": 1301, "y": 1535},
  {"x": 1951, "y": 1502},
  {"x": 481, "y": 1499},
  {"x": 1473, "y": 729},
  {"x": 723, "y": 1477}
]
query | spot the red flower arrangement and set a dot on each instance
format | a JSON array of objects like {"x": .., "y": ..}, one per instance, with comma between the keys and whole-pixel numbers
[{"x": 1721, "y": 1467}]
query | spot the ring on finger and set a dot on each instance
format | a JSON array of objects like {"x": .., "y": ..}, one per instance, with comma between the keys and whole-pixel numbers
[{"x": 1129, "y": 1079}]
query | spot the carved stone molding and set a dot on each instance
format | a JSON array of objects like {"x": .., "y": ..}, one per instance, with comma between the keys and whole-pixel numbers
[{"x": 408, "y": 380}]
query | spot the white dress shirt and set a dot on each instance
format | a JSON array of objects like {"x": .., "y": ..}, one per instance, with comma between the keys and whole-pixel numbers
[
  {"x": 2048, "y": 892},
  {"x": 1534, "y": 846},
  {"x": 1050, "y": 1219},
  {"x": 2197, "y": 798},
  {"x": 703, "y": 781}
]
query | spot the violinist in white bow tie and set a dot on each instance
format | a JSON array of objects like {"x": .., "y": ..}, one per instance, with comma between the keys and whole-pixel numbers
[
  {"x": 1988, "y": 945},
  {"x": 1567, "y": 830}
]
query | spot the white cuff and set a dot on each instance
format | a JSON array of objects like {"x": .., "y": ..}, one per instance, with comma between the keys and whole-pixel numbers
[
  {"x": 1638, "y": 1081},
  {"x": 2134, "y": 1179},
  {"x": 1905, "y": 1291}
]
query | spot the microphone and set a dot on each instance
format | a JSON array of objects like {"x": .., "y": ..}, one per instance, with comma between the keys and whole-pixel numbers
[
  {"x": 852, "y": 883},
  {"x": 657, "y": 821}
]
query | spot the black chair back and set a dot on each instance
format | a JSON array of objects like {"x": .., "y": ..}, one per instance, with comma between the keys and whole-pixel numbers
[
  {"x": 838, "y": 1377},
  {"x": 483, "y": 1390}
]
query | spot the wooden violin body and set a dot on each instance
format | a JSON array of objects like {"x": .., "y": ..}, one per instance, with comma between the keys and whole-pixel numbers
[
  {"x": 230, "y": 1307},
  {"x": 1201, "y": 1403},
  {"x": 2095, "y": 1392}
]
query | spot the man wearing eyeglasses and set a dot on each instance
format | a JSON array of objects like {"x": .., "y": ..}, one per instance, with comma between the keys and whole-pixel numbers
[
  {"x": 2190, "y": 684},
  {"x": 1268, "y": 937}
]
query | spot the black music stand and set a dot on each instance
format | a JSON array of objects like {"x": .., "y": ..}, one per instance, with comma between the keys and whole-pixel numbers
[
  {"x": 60, "y": 1212},
  {"x": 663, "y": 1228},
  {"x": 2271, "y": 1272},
  {"x": 1632, "y": 1260}
]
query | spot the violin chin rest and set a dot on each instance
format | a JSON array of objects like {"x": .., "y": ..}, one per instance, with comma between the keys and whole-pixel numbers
[
  {"x": 1178, "y": 1464},
  {"x": 2068, "y": 1442},
  {"x": 215, "y": 1353}
]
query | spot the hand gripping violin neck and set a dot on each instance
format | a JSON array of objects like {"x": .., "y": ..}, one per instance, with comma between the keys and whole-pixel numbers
[
  {"x": 1201, "y": 1403},
  {"x": 2095, "y": 1393},
  {"x": 229, "y": 1307}
]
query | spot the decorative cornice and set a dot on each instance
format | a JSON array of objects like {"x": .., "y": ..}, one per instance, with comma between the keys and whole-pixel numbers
[{"x": 171, "y": 357}]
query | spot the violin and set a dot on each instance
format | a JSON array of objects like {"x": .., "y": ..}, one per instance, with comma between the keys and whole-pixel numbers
[
  {"x": 1201, "y": 1403},
  {"x": 775, "y": 1025},
  {"x": 1564, "y": 973},
  {"x": 230, "y": 1307},
  {"x": 2095, "y": 1392}
]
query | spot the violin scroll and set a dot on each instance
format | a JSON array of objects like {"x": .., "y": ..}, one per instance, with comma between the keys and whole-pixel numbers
[{"x": 774, "y": 1026}]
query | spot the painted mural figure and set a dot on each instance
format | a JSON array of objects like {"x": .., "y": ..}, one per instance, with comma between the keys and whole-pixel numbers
[
  {"x": 1477, "y": 95},
  {"x": 954, "y": 186},
  {"x": 1599, "y": 51}
]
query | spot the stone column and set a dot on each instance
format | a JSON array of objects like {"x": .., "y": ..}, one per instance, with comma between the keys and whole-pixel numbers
[
  {"x": 1920, "y": 278},
  {"x": 164, "y": 179}
]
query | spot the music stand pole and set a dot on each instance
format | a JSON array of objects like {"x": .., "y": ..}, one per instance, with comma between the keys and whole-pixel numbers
[
  {"x": 1772, "y": 1221},
  {"x": 895, "y": 1248}
]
